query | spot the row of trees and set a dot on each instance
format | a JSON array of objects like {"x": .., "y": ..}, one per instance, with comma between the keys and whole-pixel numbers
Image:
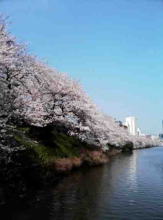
[{"x": 33, "y": 92}]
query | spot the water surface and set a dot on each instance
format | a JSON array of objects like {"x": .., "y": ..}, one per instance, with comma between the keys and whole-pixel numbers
[{"x": 130, "y": 187}]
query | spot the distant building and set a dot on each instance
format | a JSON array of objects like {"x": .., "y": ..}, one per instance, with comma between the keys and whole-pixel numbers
[
  {"x": 130, "y": 122},
  {"x": 161, "y": 134},
  {"x": 139, "y": 133}
]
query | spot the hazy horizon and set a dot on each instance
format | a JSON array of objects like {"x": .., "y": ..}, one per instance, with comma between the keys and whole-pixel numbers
[{"x": 113, "y": 47}]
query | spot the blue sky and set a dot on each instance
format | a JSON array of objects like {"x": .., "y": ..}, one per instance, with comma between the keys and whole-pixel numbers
[{"x": 114, "y": 47}]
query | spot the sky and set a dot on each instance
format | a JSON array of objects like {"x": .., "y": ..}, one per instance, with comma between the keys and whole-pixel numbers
[{"x": 113, "y": 47}]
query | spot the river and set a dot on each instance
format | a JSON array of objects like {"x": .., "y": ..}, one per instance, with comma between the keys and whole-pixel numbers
[{"x": 130, "y": 187}]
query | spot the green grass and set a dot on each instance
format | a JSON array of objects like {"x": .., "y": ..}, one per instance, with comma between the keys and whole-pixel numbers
[
  {"x": 59, "y": 145},
  {"x": 42, "y": 153}
]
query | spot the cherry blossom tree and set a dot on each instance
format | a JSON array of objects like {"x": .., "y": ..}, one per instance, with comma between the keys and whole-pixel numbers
[{"x": 33, "y": 92}]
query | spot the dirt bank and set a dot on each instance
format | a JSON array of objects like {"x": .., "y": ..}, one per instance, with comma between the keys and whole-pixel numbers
[{"x": 87, "y": 157}]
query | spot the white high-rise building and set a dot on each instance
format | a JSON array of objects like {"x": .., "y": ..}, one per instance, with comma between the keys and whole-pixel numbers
[
  {"x": 139, "y": 133},
  {"x": 130, "y": 122}
]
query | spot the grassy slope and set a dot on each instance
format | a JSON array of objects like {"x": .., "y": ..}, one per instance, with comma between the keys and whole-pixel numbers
[{"x": 47, "y": 145}]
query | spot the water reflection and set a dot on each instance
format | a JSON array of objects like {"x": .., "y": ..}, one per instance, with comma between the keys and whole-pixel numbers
[
  {"x": 77, "y": 196},
  {"x": 132, "y": 172},
  {"x": 129, "y": 187}
]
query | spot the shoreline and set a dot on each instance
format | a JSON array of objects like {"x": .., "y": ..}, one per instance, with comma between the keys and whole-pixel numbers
[
  {"x": 88, "y": 158},
  {"x": 58, "y": 170}
]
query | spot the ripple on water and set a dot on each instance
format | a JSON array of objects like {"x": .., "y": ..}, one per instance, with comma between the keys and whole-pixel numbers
[{"x": 130, "y": 187}]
